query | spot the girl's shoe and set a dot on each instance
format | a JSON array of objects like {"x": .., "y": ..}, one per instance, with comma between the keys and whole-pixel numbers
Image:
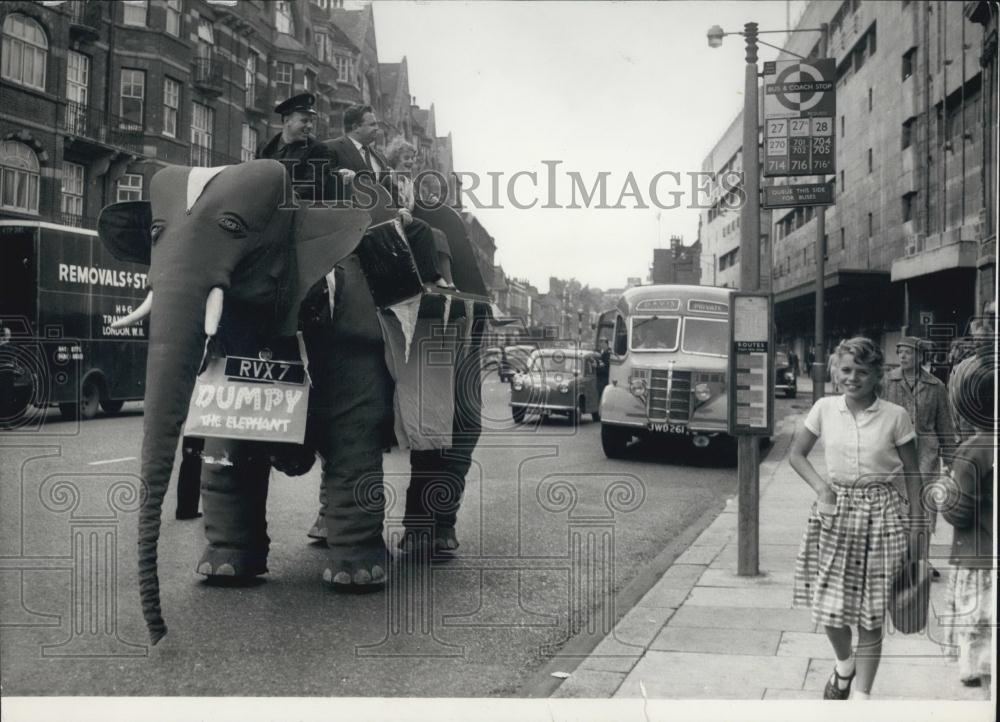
[{"x": 833, "y": 690}]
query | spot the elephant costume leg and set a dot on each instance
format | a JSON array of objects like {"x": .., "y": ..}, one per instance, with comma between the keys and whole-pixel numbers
[
  {"x": 347, "y": 428},
  {"x": 234, "y": 499},
  {"x": 437, "y": 476}
]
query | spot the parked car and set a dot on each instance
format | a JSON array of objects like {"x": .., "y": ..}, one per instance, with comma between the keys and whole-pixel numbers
[
  {"x": 513, "y": 360},
  {"x": 784, "y": 376},
  {"x": 557, "y": 381}
]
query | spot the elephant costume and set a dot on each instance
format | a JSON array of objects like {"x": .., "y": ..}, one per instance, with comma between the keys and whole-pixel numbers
[{"x": 229, "y": 260}]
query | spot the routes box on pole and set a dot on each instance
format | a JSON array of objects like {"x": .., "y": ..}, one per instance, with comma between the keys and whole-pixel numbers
[{"x": 751, "y": 365}]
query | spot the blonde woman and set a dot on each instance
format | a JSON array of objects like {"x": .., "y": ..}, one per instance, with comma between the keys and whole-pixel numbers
[{"x": 857, "y": 534}]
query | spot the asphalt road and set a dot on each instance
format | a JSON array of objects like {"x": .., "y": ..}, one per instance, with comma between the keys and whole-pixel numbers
[{"x": 550, "y": 532}]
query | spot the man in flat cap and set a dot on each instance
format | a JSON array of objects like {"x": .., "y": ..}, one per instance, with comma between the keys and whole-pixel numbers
[
  {"x": 925, "y": 399},
  {"x": 305, "y": 158}
]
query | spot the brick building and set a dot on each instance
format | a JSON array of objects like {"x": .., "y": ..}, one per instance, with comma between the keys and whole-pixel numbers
[
  {"x": 677, "y": 264},
  {"x": 97, "y": 96},
  {"x": 911, "y": 237}
]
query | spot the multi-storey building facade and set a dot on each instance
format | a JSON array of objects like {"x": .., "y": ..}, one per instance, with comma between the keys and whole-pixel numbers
[
  {"x": 97, "y": 96},
  {"x": 907, "y": 244},
  {"x": 678, "y": 263}
]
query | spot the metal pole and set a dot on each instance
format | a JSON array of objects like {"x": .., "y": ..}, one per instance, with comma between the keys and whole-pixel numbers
[
  {"x": 748, "y": 452},
  {"x": 818, "y": 371}
]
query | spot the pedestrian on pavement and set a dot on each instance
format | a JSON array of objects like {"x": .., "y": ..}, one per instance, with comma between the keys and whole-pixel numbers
[
  {"x": 810, "y": 358},
  {"x": 970, "y": 511},
  {"x": 925, "y": 399},
  {"x": 793, "y": 361},
  {"x": 856, "y": 539}
]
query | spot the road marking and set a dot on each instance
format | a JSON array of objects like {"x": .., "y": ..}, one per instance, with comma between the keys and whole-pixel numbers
[{"x": 111, "y": 461}]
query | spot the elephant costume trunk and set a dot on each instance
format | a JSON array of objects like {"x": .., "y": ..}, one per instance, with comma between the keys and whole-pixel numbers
[{"x": 176, "y": 346}]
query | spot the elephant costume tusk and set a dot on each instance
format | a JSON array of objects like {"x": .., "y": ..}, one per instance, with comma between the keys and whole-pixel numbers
[
  {"x": 137, "y": 315},
  {"x": 213, "y": 311}
]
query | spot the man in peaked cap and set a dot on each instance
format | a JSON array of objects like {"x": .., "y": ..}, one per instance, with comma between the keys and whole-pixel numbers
[
  {"x": 303, "y": 155},
  {"x": 925, "y": 399}
]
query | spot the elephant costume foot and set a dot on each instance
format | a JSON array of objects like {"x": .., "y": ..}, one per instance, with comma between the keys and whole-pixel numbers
[
  {"x": 418, "y": 544},
  {"x": 216, "y": 563},
  {"x": 318, "y": 530},
  {"x": 357, "y": 569}
]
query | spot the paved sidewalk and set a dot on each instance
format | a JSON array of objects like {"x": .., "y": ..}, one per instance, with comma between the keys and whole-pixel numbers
[{"x": 702, "y": 632}]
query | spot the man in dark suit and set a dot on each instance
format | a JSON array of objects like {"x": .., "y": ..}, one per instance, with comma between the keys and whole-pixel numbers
[
  {"x": 306, "y": 159},
  {"x": 356, "y": 164}
]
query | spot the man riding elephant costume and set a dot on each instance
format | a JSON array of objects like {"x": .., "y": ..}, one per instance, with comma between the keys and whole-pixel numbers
[{"x": 232, "y": 259}]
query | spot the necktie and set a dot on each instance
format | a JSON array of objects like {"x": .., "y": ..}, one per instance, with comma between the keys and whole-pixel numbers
[{"x": 368, "y": 157}]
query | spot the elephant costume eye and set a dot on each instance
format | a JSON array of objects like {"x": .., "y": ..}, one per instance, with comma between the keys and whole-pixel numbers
[{"x": 233, "y": 225}]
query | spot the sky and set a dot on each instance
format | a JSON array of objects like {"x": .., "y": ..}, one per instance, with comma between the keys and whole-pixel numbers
[{"x": 585, "y": 88}]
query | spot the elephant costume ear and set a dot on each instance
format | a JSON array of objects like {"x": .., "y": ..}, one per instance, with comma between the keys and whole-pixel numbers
[
  {"x": 323, "y": 237},
  {"x": 124, "y": 229}
]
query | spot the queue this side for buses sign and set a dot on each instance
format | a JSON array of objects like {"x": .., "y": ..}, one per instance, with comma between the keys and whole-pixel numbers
[
  {"x": 751, "y": 365},
  {"x": 800, "y": 106}
]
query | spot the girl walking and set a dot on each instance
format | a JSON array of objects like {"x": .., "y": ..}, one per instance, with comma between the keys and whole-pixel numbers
[{"x": 858, "y": 534}]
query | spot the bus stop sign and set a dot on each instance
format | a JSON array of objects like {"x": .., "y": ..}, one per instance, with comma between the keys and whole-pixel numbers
[
  {"x": 799, "y": 108},
  {"x": 751, "y": 365}
]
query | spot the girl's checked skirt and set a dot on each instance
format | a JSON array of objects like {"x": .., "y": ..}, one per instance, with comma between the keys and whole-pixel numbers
[{"x": 847, "y": 561}]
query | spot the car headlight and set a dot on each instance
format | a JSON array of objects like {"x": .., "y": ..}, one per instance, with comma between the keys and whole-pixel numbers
[
  {"x": 564, "y": 388},
  {"x": 788, "y": 376},
  {"x": 702, "y": 392},
  {"x": 637, "y": 386},
  {"x": 517, "y": 384}
]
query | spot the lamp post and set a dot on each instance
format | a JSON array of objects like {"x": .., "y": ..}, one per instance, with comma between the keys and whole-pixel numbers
[{"x": 748, "y": 518}]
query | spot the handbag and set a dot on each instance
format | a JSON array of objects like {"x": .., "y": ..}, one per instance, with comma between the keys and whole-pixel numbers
[{"x": 910, "y": 597}]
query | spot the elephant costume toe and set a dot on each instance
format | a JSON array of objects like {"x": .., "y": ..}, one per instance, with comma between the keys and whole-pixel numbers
[{"x": 231, "y": 256}]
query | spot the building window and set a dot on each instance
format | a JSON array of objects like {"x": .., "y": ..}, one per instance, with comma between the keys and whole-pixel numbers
[
  {"x": 909, "y": 205},
  {"x": 133, "y": 94},
  {"x": 283, "y": 74},
  {"x": 202, "y": 123},
  {"x": 250, "y": 79},
  {"x": 309, "y": 81},
  {"x": 345, "y": 69},
  {"x": 843, "y": 186},
  {"x": 871, "y": 161},
  {"x": 171, "y": 104},
  {"x": 826, "y": 246},
  {"x": 248, "y": 145},
  {"x": 77, "y": 91},
  {"x": 130, "y": 188},
  {"x": 283, "y": 18},
  {"x": 871, "y": 102},
  {"x": 19, "y": 176},
  {"x": 135, "y": 12},
  {"x": 174, "y": 17},
  {"x": 909, "y": 62},
  {"x": 843, "y": 240},
  {"x": 871, "y": 225},
  {"x": 843, "y": 125},
  {"x": 72, "y": 190},
  {"x": 25, "y": 51},
  {"x": 206, "y": 32},
  {"x": 907, "y": 134}
]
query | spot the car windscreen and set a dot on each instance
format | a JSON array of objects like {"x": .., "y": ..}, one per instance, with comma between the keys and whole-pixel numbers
[
  {"x": 556, "y": 363},
  {"x": 706, "y": 336},
  {"x": 655, "y": 333}
]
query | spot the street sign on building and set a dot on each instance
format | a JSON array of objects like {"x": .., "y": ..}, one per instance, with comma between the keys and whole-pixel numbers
[
  {"x": 799, "y": 110},
  {"x": 803, "y": 194}
]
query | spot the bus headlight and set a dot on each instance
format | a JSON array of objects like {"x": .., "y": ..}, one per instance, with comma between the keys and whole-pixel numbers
[
  {"x": 788, "y": 376},
  {"x": 702, "y": 392},
  {"x": 517, "y": 384},
  {"x": 564, "y": 388}
]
